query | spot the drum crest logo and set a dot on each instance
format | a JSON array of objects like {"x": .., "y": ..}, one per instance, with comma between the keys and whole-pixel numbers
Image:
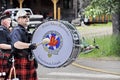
[{"x": 55, "y": 44}]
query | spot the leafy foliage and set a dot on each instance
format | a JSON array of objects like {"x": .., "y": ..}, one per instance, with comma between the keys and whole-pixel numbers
[{"x": 99, "y": 7}]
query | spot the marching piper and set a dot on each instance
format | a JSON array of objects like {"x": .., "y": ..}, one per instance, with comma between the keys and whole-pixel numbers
[
  {"x": 24, "y": 63},
  {"x": 5, "y": 46}
]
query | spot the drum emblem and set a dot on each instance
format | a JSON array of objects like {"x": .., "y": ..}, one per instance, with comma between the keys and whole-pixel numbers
[{"x": 55, "y": 43}]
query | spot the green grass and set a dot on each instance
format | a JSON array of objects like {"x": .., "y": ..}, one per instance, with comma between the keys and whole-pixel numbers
[{"x": 108, "y": 47}]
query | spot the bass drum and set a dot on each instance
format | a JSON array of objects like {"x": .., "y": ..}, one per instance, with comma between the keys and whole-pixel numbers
[{"x": 64, "y": 45}]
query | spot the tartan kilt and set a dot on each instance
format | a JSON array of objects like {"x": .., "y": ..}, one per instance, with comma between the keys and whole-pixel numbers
[
  {"x": 4, "y": 64},
  {"x": 25, "y": 69}
]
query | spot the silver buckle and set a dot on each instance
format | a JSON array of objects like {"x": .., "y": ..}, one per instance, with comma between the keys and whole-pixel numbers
[{"x": 30, "y": 58}]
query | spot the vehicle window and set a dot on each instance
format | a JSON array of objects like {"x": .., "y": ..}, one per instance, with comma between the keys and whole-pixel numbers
[
  {"x": 28, "y": 11},
  {"x": 15, "y": 13}
]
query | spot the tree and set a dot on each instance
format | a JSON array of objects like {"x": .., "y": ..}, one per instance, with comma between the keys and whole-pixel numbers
[{"x": 100, "y": 7}]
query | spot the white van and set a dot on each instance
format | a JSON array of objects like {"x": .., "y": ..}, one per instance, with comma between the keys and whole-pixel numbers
[
  {"x": 15, "y": 10},
  {"x": 34, "y": 19}
]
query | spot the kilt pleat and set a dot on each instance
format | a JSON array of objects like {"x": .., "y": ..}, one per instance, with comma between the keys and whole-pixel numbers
[
  {"x": 25, "y": 69},
  {"x": 4, "y": 65}
]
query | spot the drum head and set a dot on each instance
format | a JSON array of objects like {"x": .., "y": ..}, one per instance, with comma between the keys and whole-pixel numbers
[{"x": 58, "y": 50}]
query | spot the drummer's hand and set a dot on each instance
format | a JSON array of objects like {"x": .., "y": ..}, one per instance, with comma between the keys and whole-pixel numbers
[{"x": 33, "y": 46}]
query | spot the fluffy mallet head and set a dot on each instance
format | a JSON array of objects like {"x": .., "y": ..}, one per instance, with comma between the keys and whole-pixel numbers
[{"x": 45, "y": 41}]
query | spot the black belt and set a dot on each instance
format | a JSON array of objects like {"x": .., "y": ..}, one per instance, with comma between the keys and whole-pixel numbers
[
  {"x": 23, "y": 55},
  {"x": 20, "y": 55},
  {"x": 4, "y": 55},
  {"x": 6, "y": 51}
]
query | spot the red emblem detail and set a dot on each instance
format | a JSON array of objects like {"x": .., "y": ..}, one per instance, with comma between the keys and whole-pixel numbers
[{"x": 53, "y": 42}]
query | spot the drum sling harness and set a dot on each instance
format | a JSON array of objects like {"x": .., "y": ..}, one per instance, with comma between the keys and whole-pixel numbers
[{"x": 12, "y": 70}]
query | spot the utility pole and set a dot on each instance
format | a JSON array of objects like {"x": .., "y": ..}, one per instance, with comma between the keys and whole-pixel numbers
[
  {"x": 54, "y": 2},
  {"x": 59, "y": 15},
  {"x": 11, "y": 2},
  {"x": 20, "y": 2}
]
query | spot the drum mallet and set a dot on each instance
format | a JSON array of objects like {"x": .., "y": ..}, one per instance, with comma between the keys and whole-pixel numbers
[{"x": 44, "y": 41}]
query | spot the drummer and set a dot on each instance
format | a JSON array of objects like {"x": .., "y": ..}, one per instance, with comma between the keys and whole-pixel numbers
[
  {"x": 5, "y": 46},
  {"x": 25, "y": 63}
]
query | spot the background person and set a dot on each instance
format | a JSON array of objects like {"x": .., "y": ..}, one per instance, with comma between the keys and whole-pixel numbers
[
  {"x": 24, "y": 64},
  {"x": 5, "y": 46}
]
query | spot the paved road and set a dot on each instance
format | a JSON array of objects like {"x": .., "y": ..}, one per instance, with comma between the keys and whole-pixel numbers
[
  {"x": 72, "y": 72},
  {"x": 85, "y": 69}
]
